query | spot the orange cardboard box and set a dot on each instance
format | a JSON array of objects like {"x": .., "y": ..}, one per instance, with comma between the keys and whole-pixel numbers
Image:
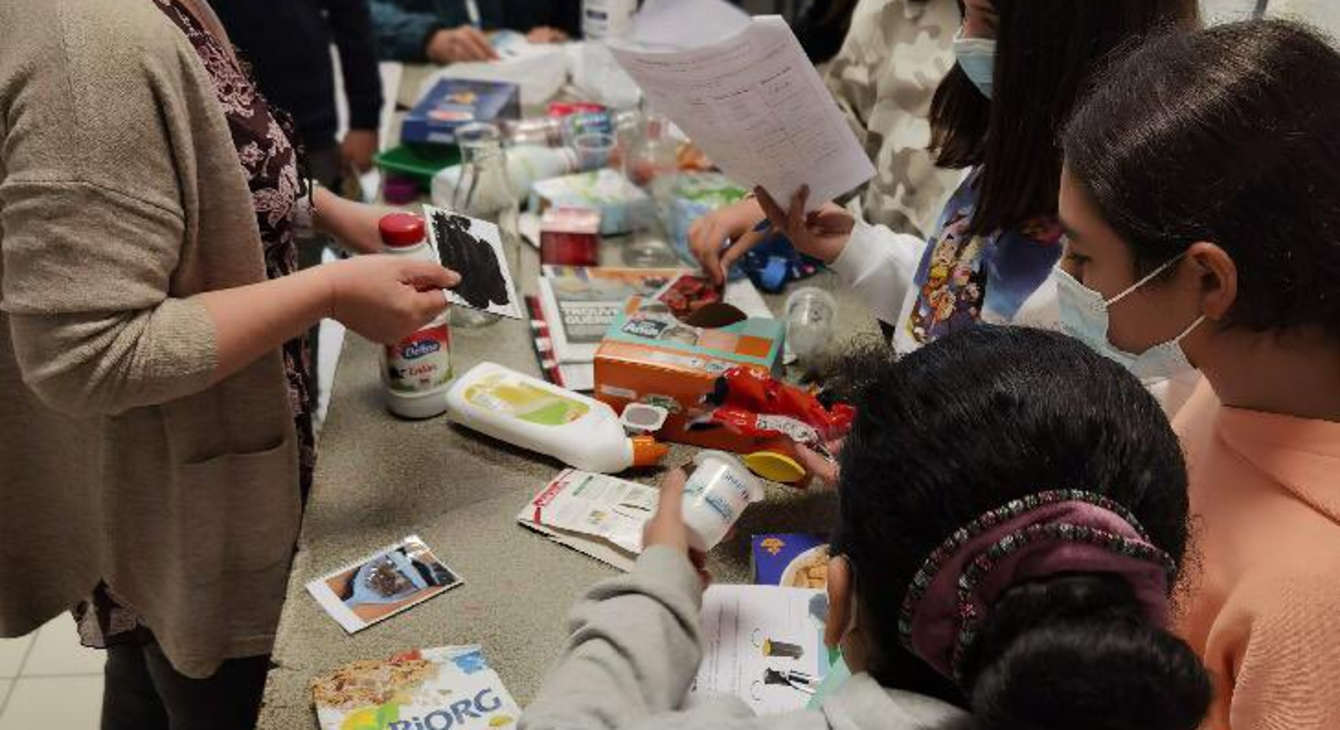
[{"x": 649, "y": 356}]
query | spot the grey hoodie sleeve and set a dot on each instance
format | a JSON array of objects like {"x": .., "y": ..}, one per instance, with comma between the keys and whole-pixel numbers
[{"x": 633, "y": 653}]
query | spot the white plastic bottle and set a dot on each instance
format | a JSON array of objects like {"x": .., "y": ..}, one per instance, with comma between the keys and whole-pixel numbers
[
  {"x": 526, "y": 164},
  {"x": 537, "y": 415},
  {"x": 597, "y": 73},
  {"x": 416, "y": 372}
]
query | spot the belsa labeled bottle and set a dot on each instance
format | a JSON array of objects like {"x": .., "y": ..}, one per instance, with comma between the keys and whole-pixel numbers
[{"x": 416, "y": 372}]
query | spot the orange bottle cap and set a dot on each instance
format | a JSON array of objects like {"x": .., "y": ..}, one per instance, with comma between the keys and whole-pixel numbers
[{"x": 647, "y": 451}]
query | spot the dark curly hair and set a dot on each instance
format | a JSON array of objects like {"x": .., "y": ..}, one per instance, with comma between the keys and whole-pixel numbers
[{"x": 971, "y": 422}]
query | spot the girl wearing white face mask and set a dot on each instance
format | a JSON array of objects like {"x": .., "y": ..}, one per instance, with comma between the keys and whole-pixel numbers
[
  {"x": 1204, "y": 225},
  {"x": 1020, "y": 66}
]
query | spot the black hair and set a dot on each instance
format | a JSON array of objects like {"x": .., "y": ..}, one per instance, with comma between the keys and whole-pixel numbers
[
  {"x": 967, "y": 424},
  {"x": 1229, "y": 135},
  {"x": 1045, "y": 52}
]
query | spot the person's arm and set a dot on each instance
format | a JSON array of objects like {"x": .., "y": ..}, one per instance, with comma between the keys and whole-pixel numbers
[
  {"x": 635, "y": 645},
  {"x": 96, "y": 331},
  {"x": 633, "y": 651},
  {"x": 878, "y": 264},
  {"x": 1287, "y": 660},
  {"x": 351, "y": 26},
  {"x": 403, "y": 35}
]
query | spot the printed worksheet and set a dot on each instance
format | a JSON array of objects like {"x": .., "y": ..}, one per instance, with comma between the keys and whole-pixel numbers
[
  {"x": 763, "y": 644},
  {"x": 754, "y": 103}
]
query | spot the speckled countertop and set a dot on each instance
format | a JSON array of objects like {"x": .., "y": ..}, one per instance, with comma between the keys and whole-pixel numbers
[{"x": 380, "y": 478}]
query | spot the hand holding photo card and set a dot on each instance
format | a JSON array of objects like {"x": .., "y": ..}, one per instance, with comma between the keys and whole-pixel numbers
[
  {"x": 473, "y": 249},
  {"x": 373, "y": 589}
]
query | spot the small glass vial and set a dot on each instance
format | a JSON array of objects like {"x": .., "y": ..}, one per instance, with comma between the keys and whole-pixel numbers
[{"x": 416, "y": 372}]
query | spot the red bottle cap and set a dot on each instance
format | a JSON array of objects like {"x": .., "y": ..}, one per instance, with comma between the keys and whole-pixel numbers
[{"x": 400, "y": 230}]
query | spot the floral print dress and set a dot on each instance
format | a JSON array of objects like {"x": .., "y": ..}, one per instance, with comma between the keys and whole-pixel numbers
[{"x": 264, "y": 141}]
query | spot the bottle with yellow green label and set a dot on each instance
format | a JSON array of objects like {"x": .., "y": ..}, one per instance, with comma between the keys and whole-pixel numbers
[{"x": 540, "y": 416}]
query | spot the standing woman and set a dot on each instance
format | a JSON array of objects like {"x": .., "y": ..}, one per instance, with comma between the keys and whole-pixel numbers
[
  {"x": 154, "y": 437},
  {"x": 1202, "y": 190}
]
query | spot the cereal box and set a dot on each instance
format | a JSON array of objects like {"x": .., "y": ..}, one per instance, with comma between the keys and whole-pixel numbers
[
  {"x": 453, "y": 103},
  {"x": 793, "y": 560},
  {"x": 428, "y": 689},
  {"x": 650, "y": 356}
]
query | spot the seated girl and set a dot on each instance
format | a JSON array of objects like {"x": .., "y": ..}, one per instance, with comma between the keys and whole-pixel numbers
[
  {"x": 1004, "y": 564},
  {"x": 1202, "y": 194},
  {"x": 1021, "y": 66}
]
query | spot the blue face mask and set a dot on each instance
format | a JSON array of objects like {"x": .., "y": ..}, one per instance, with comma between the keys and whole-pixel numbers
[
  {"x": 1084, "y": 316},
  {"x": 977, "y": 58}
]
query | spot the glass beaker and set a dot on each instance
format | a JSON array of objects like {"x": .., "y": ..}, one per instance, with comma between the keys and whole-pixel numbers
[{"x": 485, "y": 193}]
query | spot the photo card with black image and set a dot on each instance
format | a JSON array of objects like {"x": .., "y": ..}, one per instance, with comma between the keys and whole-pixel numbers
[
  {"x": 473, "y": 249},
  {"x": 391, "y": 580}
]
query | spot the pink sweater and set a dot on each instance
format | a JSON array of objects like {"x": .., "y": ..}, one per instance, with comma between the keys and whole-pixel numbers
[{"x": 1263, "y": 609}]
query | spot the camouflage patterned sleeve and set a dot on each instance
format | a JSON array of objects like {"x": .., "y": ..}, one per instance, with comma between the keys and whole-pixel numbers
[{"x": 883, "y": 79}]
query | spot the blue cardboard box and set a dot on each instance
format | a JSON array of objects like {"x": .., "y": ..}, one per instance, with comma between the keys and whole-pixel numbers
[
  {"x": 452, "y": 103},
  {"x": 794, "y": 560}
]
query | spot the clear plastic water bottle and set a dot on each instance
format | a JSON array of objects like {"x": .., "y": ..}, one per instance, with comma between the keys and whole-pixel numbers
[{"x": 485, "y": 193}]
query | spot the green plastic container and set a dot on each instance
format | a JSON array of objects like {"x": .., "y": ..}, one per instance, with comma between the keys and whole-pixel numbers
[{"x": 418, "y": 162}]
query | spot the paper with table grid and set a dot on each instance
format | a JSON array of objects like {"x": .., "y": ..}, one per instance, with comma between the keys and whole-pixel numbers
[{"x": 755, "y": 104}]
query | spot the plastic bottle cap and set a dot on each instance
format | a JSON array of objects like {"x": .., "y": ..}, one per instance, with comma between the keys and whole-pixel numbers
[
  {"x": 647, "y": 451},
  {"x": 401, "y": 230},
  {"x": 775, "y": 466}
]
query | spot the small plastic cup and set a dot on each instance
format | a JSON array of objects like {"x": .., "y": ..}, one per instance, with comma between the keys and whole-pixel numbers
[
  {"x": 810, "y": 316},
  {"x": 595, "y": 150},
  {"x": 716, "y": 494}
]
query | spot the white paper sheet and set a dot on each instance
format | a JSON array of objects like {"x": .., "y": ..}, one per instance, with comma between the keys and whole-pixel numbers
[
  {"x": 755, "y": 635},
  {"x": 756, "y": 105}
]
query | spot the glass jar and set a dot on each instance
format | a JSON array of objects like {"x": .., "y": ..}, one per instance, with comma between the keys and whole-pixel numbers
[
  {"x": 485, "y": 193},
  {"x": 652, "y": 151}
]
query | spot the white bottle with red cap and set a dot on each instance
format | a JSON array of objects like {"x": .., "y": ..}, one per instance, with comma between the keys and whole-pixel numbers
[{"x": 416, "y": 372}]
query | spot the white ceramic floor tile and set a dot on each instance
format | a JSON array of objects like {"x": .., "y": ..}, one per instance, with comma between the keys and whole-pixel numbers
[
  {"x": 5, "y": 684},
  {"x": 57, "y": 651},
  {"x": 73, "y": 703},
  {"x": 12, "y": 652}
]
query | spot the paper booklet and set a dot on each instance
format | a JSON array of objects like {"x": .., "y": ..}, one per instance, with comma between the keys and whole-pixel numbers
[
  {"x": 755, "y": 104},
  {"x": 763, "y": 644},
  {"x": 579, "y": 302},
  {"x": 597, "y": 515}
]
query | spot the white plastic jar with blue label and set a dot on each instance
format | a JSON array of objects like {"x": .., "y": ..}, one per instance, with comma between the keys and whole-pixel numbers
[{"x": 715, "y": 495}]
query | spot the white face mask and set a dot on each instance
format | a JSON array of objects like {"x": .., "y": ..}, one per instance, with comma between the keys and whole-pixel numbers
[{"x": 1084, "y": 316}]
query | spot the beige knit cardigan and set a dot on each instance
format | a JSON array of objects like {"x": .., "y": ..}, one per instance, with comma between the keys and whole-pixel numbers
[{"x": 121, "y": 197}]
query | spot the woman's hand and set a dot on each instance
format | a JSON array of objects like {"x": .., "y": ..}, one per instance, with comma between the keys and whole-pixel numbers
[
  {"x": 822, "y": 233},
  {"x": 721, "y": 237},
  {"x": 351, "y": 223},
  {"x": 667, "y": 526},
  {"x": 386, "y": 298}
]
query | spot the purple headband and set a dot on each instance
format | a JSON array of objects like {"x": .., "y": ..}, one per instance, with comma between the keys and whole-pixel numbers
[{"x": 1044, "y": 534}]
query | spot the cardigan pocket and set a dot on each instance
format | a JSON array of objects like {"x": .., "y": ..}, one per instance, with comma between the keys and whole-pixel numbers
[{"x": 243, "y": 511}]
